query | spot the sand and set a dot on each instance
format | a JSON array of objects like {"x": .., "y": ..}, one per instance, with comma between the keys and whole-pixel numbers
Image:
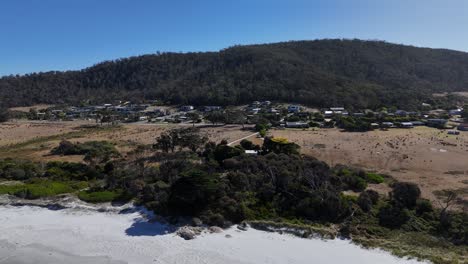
[{"x": 39, "y": 235}]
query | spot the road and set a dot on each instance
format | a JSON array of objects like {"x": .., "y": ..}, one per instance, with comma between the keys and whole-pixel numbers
[{"x": 235, "y": 141}]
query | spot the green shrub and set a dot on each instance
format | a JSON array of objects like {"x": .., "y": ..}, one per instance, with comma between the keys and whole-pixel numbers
[
  {"x": 405, "y": 194},
  {"x": 103, "y": 196},
  {"x": 70, "y": 171},
  {"x": 393, "y": 216},
  {"x": 367, "y": 200},
  {"x": 94, "y": 151},
  {"x": 247, "y": 144},
  {"x": 18, "y": 170},
  {"x": 423, "y": 206},
  {"x": 40, "y": 188},
  {"x": 374, "y": 178}
]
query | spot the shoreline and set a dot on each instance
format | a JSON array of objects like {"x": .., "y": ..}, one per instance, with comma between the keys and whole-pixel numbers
[{"x": 143, "y": 224}]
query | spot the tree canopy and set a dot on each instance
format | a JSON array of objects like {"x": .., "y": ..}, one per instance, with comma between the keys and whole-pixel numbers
[{"x": 350, "y": 73}]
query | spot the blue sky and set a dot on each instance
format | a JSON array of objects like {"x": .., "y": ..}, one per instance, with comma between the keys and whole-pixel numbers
[{"x": 43, "y": 35}]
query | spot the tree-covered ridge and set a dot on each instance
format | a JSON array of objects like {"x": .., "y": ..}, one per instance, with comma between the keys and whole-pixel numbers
[{"x": 352, "y": 73}]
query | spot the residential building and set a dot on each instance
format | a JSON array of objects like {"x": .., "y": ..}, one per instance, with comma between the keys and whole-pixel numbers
[{"x": 294, "y": 109}]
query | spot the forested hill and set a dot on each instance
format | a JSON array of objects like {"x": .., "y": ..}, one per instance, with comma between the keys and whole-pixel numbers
[{"x": 318, "y": 73}]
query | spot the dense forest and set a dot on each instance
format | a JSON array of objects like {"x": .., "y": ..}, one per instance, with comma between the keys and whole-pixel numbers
[{"x": 351, "y": 73}]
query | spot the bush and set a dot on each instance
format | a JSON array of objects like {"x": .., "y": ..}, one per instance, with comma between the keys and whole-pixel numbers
[
  {"x": 100, "y": 151},
  {"x": 103, "y": 196},
  {"x": 69, "y": 171},
  {"x": 39, "y": 188},
  {"x": 423, "y": 206},
  {"x": 18, "y": 170},
  {"x": 262, "y": 132},
  {"x": 193, "y": 192},
  {"x": 223, "y": 152},
  {"x": 354, "y": 124},
  {"x": 66, "y": 148},
  {"x": 367, "y": 199},
  {"x": 405, "y": 194},
  {"x": 314, "y": 124},
  {"x": 247, "y": 144},
  {"x": 392, "y": 216},
  {"x": 280, "y": 146},
  {"x": 374, "y": 178},
  {"x": 4, "y": 114},
  {"x": 260, "y": 127}
]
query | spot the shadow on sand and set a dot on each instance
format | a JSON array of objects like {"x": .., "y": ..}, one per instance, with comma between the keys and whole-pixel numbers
[{"x": 143, "y": 227}]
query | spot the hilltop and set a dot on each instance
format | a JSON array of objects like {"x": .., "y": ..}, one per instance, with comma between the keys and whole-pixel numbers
[{"x": 350, "y": 73}]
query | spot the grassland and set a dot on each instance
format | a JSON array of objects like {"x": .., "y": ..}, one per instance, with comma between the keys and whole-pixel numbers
[
  {"x": 41, "y": 188},
  {"x": 426, "y": 156}
]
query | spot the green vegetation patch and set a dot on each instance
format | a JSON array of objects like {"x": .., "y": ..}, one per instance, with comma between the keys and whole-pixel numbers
[
  {"x": 374, "y": 178},
  {"x": 103, "y": 196},
  {"x": 41, "y": 188}
]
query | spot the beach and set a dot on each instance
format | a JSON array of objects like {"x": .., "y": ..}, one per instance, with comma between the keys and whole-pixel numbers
[{"x": 31, "y": 234}]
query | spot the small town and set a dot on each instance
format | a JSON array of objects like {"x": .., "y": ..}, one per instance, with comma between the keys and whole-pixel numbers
[{"x": 264, "y": 113}]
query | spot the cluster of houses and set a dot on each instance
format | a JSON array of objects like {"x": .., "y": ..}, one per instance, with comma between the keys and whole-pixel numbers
[
  {"x": 124, "y": 111},
  {"x": 435, "y": 118},
  {"x": 121, "y": 112},
  {"x": 290, "y": 116},
  {"x": 257, "y": 107},
  {"x": 207, "y": 108}
]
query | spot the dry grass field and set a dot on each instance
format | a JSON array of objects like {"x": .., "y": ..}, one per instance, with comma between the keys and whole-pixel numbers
[
  {"x": 429, "y": 157},
  {"x": 34, "y": 140}
]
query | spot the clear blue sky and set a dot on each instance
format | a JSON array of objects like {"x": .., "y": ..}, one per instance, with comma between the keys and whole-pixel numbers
[{"x": 43, "y": 35}]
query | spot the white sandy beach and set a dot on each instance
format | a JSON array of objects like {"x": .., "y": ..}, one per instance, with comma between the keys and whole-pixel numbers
[{"x": 39, "y": 235}]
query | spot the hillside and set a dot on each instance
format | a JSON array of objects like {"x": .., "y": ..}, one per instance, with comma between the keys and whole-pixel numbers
[{"x": 352, "y": 73}]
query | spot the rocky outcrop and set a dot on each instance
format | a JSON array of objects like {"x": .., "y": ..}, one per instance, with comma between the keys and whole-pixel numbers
[
  {"x": 215, "y": 229},
  {"x": 188, "y": 232}
]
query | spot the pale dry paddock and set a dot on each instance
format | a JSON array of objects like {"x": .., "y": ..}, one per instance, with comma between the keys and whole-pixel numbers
[
  {"x": 426, "y": 156},
  {"x": 26, "y": 109},
  {"x": 19, "y": 131},
  {"x": 34, "y": 139}
]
